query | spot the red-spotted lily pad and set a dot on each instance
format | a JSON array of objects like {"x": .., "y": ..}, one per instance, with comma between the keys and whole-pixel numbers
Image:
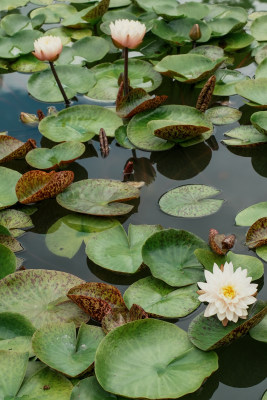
[
  {"x": 11, "y": 148},
  {"x": 40, "y": 295},
  {"x": 57, "y": 346},
  {"x": 136, "y": 101},
  {"x": 8, "y": 181},
  {"x": 57, "y": 157},
  {"x": 223, "y": 115},
  {"x": 209, "y": 333},
  {"x": 220, "y": 243},
  {"x": 97, "y": 299},
  {"x": 15, "y": 221},
  {"x": 38, "y": 185},
  {"x": 116, "y": 318},
  {"x": 101, "y": 197},
  {"x": 257, "y": 234}
]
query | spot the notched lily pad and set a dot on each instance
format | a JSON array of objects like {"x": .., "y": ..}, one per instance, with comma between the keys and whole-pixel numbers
[
  {"x": 11, "y": 148},
  {"x": 245, "y": 136},
  {"x": 116, "y": 318},
  {"x": 223, "y": 115},
  {"x": 209, "y": 333},
  {"x": 257, "y": 234},
  {"x": 38, "y": 185}
]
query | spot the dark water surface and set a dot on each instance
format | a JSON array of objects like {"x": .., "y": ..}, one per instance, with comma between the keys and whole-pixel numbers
[{"x": 240, "y": 175}]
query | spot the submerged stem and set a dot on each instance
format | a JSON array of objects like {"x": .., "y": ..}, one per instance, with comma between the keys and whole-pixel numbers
[
  {"x": 125, "y": 75},
  {"x": 67, "y": 102}
]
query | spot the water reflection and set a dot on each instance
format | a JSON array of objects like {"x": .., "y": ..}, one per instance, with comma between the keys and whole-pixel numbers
[
  {"x": 143, "y": 169},
  {"x": 257, "y": 154}
]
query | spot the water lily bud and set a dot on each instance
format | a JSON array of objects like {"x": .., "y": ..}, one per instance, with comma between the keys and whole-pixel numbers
[
  {"x": 28, "y": 118},
  {"x": 195, "y": 33},
  {"x": 127, "y": 33},
  {"x": 47, "y": 48}
]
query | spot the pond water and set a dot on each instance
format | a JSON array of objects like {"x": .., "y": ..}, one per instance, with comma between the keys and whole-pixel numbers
[{"x": 239, "y": 174}]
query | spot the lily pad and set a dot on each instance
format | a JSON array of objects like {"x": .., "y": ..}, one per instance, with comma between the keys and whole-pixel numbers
[
  {"x": 14, "y": 23},
  {"x": 97, "y": 299},
  {"x": 258, "y": 28},
  {"x": 14, "y": 221},
  {"x": 42, "y": 85},
  {"x": 7, "y": 261},
  {"x": 65, "y": 237},
  {"x": 209, "y": 333},
  {"x": 174, "y": 366},
  {"x": 101, "y": 197},
  {"x": 261, "y": 71},
  {"x": 262, "y": 252},
  {"x": 11, "y": 148},
  {"x": 253, "y": 265},
  {"x": 91, "y": 14},
  {"x": 254, "y": 90},
  {"x": 122, "y": 139},
  {"x": 28, "y": 64},
  {"x": 38, "y": 185},
  {"x": 40, "y": 295},
  {"x": 141, "y": 75},
  {"x": 259, "y": 121},
  {"x": 79, "y": 123},
  {"x": 57, "y": 157},
  {"x": 170, "y": 256},
  {"x": 226, "y": 80},
  {"x": 89, "y": 389},
  {"x": 116, "y": 318},
  {"x": 114, "y": 250},
  {"x": 12, "y": 370},
  {"x": 237, "y": 40},
  {"x": 57, "y": 346},
  {"x": 161, "y": 300},
  {"x": 148, "y": 5},
  {"x": 259, "y": 332},
  {"x": 260, "y": 53},
  {"x": 20, "y": 43},
  {"x": 190, "y": 201},
  {"x": 54, "y": 13},
  {"x": 8, "y": 181},
  {"x": 188, "y": 68},
  {"x": 210, "y": 51},
  {"x": 257, "y": 234},
  {"x": 7, "y": 5},
  {"x": 245, "y": 136},
  {"x": 251, "y": 214},
  {"x": 223, "y": 115}
]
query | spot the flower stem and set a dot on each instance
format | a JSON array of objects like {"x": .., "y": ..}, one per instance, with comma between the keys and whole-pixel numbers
[
  {"x": 67, "y": 102},
  {"x": 125, "y": 75}
]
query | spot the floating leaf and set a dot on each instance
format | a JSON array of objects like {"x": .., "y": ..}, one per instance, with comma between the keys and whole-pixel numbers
[
  {"x": 12, "y": 370},
  {"x": 257, "y": 234},
  {"x": 40, "y": 295},
  {"x": 101, "y": 197},
  {"x": 7, "y": 5},
  {"x": 11, "y": 148},
  {"x": 260, "y": 53},
  {"x": 11, "y": 243},
  {"x": 252, "y": 264},
  {"x": 174, "y": 366},
  {"x": 148, "y": 5},
  {"x": 57, "y": 346},
  {"x": 42, "y": 85},
  {"x": 89, "y": 389},
  {"x": 8, "y": 181},
  {"x": 170, "y": 256},
  {"x": 223, "y": 26},
  {"x": 20, "y": 43},
  {"x": 259, "y": 332},
  {"x": 223, "y": 115},
  {"x": 97, "y": 299},
  {"x": 122, "y": 139},
  {"x": 7, "y": 261},
  {"x": 28, "y": 64},
  {"x": 262, "y": 252},
  {"x": 190, "y": 201},
  {"x": 116, "y": 318},
  {"x": 226, "y": 80},
  {"x": 209, "y": 333},
  {"x": 57, "y": 157},
  {"x": 79, "y": 123},
  {"x": 114, "y": 250},
  {"x": 237, "y": 40},
  {"x": 14, "y": 23},
  {"x": 259, "y": 121},
  {"x": 258, "y": 28},
  {"x": 87, "y": 49},
  {"x": 254, "y": 90},
  {"x": 249, "y": 215},
  {"x": 14, "y": 221},
  {"x": 38, "y": 185},
  {"x": 54, "y": 13},
  {"x": 212, "y": 52},
  {"x": 245, "y": 136},
  {"x": 161, "y": 300}
]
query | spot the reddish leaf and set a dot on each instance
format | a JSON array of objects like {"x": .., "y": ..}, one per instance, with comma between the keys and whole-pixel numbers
[
  {"x": 11, "y": 148},
  {"x": 38, "y": 185},
  {"x": 181, "y": 132},
  {"x": 257, "y": 234},
  {"x": 120, "y": 317},
  {"x": 220, "y": 243}
]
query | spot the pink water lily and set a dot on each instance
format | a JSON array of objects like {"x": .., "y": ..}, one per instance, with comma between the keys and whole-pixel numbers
[
  {"x": 47, "y": 48},
  {"x": 127, "y": 33}
]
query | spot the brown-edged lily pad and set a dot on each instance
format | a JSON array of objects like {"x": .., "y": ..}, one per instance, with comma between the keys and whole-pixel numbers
[
  {"x": 120, "y": 317},
  {"x": 11, "y": 148},
  {"x": 38, "y": 185},
  {"x": 97, "y": 299},
  {"x": 136, "y": 101},
  {"x": 257, "y": 234},
  {"x": 220, "y": 243}
]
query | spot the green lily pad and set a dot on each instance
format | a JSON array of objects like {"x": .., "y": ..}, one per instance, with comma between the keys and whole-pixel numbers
[
  {"x": 57, "y": 346},
  {"x": 251, "y": 214},
  {"x": 114, "y": 250},
  {"x": 223, "y": 115},
  {"x": 122, "y": 139},
  {"x": 254, "y": 266},
  {"x": 262, "y": 252},
  {"x": 42, "y": 85},
  {"x": 190, "y": 201},
  {"x": 119, "y": 3},
  {"x": 260, "y": 53},
  {"x": 40, "y": 295},
  {"x": 261, "y": 71},
  {"x": 169, "y": 368},
  {"x": 226, "y": 80},
  {"x": 245, "y": 136},
  {"x": 89, "y": 389},
  {"x": 20, "y": 43},
  {"x": 11, "y": 148},
  {"x": 12, "y": 370},
  {"x": 91, "y": 14},
  {"x": 258, "y": 28},
  {"x": 7, "y": 261},
  {"x": 161, "y": 300},
  {"x": 8, "y": 181},
  {"x": 209, "y": 333},
  {"x": 228, "y": 20},
  {"x": 212, "y": 52},
  {"x": 57, "y": 157},
  {"x": 170, "y": 256},
  {"x": 101, "y": 197},
  {"x": 188, "y": 68},
  {"x": 259, "y": 332},
  {"x": 14, "y": 221},
  {"x": 54, "y": 13},
  {"x": 28, "y": 64},
  {"x": 14, "y": 23},
  {"x": 65, "y": 237},
  {"x": 79, "y": 123},
  {"x": 148, "y": 5},
  {"x": 7, "y": 5},
  {"x": 259, "y": 121},
  {"x": 141, "y": 75},
  {"x": 236, "y": 41},
  {"x": 254, "y": 90},
  {"x": 257, "y": 234}
]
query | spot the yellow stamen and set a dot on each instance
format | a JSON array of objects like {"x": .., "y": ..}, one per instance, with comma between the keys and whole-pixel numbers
[{"x": 229, "y": 291}]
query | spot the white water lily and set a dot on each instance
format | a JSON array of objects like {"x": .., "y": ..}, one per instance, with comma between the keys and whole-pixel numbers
[
  {"x": 47, "y": 48},
  {"x": 127, "y": 33},
  {"x": 228, "y": 292}
]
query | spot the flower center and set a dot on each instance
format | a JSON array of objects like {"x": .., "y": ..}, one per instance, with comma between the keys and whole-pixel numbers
[{"x": 229, "y": 292}]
